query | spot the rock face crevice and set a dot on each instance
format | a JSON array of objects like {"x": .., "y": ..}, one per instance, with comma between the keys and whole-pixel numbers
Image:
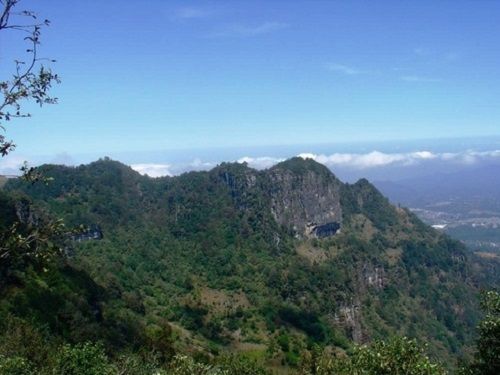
[
  {"x": 326, "y": 230},
  {"x": 94, "y": 232}
]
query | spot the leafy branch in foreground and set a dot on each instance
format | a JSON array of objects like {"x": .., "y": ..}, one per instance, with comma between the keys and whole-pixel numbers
[
  {"x": 30, "y": 240},
  {"x": 31, "y": 80},
  {"x": 34, "y": 175},
  {"x": 25, "y": 241}
]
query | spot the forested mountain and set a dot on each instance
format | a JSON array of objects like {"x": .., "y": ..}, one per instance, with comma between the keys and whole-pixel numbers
[{"x": 267, "y": 263}]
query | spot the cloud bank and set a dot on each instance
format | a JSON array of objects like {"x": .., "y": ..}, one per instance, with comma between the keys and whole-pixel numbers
[
  {"x": 349, "y": 161},
  {"x": 262, "y": 162},
  {"x": 372, "y": 159},
  {"x": 152, "y": 170},
  {"x": 376, "y": 159},
  {"x": 346, "y": 161}
]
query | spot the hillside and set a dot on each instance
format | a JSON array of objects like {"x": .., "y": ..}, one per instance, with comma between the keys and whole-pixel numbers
[
  {"x": 262, "y": 262},
  {"x": 465, "y": 204}
]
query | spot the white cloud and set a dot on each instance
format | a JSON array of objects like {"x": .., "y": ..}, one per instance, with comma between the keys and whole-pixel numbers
[
  {"x": 369, "y": 160},
  {"x": 414, "y": 78},
  {"x": 192, "y": 13},
  {"x": 261, "y": 162},
  {"x": 198, "y": 164},
  {"x": 379, "y": 159},
  {"x": 250, "y": 31},
  {"x": 307, "y": 155},
  {"x": 345, "y": 69},
  {"x": 152, "y": 170},
  {"x": 424, "y": 155},
  {"x": 347, "y": 161},
  {"x": 161, "y": 170},
  {"x": 10, "y": 164}
]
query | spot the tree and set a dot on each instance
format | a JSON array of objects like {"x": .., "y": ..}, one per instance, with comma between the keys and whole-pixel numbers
[
  {"x": 82, "y": 359},
  {"x": 31, "y": 80},
  {"x": 487, "y": 357},
  {"x": 397, "y": 356},
  {"x": 25, "y": 241}
]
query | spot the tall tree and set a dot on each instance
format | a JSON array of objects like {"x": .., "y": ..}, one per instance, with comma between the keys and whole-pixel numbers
[
  {"x": 487, "y": 358},
  {"x": 25, "y": 238}
]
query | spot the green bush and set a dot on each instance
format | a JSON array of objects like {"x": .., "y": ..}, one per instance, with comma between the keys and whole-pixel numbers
[
  {"x": 487, "y": 358},
  {"x": 82, "y": 359},
  {"x": 183, "y": 365},
  {"x": 399, "y": 356},
  {"x": 15, "y": 366}
]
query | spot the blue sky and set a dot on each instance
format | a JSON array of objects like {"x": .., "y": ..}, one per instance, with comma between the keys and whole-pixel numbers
[{"x": 147, "y": 76}]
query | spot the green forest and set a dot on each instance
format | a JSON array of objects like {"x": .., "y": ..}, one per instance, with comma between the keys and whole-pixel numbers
[{"x": 107, "y": 271}]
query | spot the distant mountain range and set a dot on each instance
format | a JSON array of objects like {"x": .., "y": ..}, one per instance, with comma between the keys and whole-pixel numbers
[{"x": 479, "y": 184}]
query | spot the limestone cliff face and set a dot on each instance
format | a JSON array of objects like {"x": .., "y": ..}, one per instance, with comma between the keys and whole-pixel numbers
[
  {"x": 302, "y": 195},
  {"x": 305, "y": 197},
  {"x": 241, "y": 181}
]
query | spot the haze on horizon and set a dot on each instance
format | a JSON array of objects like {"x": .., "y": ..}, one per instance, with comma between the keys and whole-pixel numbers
[{"x": 361, "y": 85}]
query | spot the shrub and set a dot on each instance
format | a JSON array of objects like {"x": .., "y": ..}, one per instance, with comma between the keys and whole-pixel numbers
[
  {"x": 399, "y": 356},
  {"x": 15, "y": 366},
  {"x": 82, "y": 359}
]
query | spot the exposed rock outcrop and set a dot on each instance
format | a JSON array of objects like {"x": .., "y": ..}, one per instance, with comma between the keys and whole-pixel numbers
[{"x": 305, "y": 197}]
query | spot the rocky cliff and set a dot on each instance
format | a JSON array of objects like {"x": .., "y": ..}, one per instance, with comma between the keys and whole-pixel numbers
[{"x": 305, "y": 198}]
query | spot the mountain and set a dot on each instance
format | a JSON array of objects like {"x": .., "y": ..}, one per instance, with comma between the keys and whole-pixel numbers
[
  {"x": 474, "y": 184},
  {"x": 465, "y": 204},
  {"x": 262, "y": 262}
]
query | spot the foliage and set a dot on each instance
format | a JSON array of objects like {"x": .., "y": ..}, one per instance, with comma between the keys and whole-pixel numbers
[
  {"x": 197, "y": 255},
  {"x": 399, "y": 356},
  {"x": 33, "y": 174},
  {"x": 15, "y": 366},
  {"x": 27, "y": 238},
  {"x": 31, "y": 80},
  {"x": 82, "y": 359},
  {"x": 184, "y": 365},
  {"x": 487, "y": 358},
  {"x": 240, "y": 365}
]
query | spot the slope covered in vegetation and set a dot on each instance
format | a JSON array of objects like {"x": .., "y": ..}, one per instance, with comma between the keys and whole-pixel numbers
[{"x": 233, "y": 260}]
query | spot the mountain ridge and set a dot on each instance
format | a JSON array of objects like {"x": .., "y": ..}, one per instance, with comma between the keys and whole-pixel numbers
[{"x": 235, "y": 255}]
